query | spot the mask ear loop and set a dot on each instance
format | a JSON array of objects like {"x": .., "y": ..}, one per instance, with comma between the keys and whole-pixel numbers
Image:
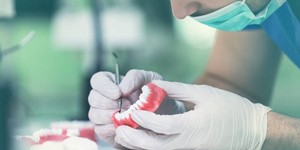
[{"x": 243, "y": 2}]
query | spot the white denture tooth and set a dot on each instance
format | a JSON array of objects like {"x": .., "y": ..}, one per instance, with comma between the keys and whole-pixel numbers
[
  {"x": 146, "y": 91},
  {"x": 38, "y": 133},
  {"x": 60, "y": 131},
  {"x": 145, "y": 88},
  {"x": 73, "y": 132},
  {"x": 118, "y": 116},
  {"x": 122, "y": 116},
  {"x": 139, "y": 103},
  {"x": 143, "y": 100},
  {"x": 130, "y": 111},
  {"x": 131, "y": 108},
  {"x": 47, "y": 132},
  {"x": 135, "y": 105},
  {"x": 126, "y": 114},
  {"x": 35, "y": 138},
  {"x": 142, "y": 97},
  {"x": 55, "y": 131}
]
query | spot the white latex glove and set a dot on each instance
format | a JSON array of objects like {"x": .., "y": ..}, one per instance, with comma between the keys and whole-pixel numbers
[
  {"x": 220, "y": 120},
  {"x": 105, "y": 92}
]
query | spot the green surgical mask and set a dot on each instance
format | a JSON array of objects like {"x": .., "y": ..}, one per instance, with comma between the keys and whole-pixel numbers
[{"x": 236, "y": 16}]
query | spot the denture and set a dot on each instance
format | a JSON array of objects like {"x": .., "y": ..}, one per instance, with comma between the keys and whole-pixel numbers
[
  {"x": 45, "y": 135},
  {"x": 54, "y": 139},
  {"x": 85, "y": 128},
  {"x": 149, "y": 100}
]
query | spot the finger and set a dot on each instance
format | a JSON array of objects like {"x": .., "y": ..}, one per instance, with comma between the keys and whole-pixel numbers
[
  {"x": 141, "y": 139},
  {"x": 100, "y": 116},
  {"x": 106, "y": 132},
  {"x": 120, "y": 141},
  {"x": 119, "y": 146},
  {"x": 104, "y": 83},
  {"x": 134, "y": 96},
  {"x": 108, "y": 140},
  {"x": 184, "y": 92},
  {"x": 164, "y": 124},
  {"x": 135, "y": 79},
  {"x": 97, "y": 100}
]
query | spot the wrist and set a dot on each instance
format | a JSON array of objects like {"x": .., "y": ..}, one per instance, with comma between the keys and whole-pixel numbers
[{"x": 283, "y": 132}]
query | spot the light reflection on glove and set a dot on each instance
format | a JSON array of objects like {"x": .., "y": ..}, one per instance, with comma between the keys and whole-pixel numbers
[
  {"x": 102, "y": 99},
  {"x": 220, "y": 120}
]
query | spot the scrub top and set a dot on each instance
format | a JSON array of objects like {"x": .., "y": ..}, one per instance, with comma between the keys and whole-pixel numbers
[{"x": 283, "y": 27}]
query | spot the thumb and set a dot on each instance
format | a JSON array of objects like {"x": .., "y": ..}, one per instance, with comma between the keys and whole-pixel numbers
[
  {"x": 164, "y": 124},
  {"x": 135, "y": 79},
  {"x": 180, "y": 91}
]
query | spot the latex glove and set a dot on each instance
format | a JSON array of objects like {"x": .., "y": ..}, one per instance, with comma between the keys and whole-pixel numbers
[
  {"x": 220, "y": 120},
  {"x": 105, "y": 92}
]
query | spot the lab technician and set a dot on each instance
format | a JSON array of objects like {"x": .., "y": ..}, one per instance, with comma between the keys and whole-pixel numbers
[{"x": 226, "y": 109}]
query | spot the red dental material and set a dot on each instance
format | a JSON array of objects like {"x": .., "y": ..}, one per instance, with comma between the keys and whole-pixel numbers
[{"x": 149, "y": 100}]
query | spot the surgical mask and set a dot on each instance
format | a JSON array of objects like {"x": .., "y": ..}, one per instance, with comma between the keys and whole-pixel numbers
[{"x": 236, "y": 16}]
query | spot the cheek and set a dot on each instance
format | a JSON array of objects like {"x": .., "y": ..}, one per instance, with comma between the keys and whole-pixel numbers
[
  {"x": 202, "y": 7},
  {"x": 217, "y": 4}
]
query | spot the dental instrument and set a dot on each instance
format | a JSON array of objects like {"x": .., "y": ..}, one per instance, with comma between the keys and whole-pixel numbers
[{"x": 117, "y": 78}]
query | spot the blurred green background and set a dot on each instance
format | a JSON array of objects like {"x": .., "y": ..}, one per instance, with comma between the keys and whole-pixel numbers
[{"x": 49, "y": 79}]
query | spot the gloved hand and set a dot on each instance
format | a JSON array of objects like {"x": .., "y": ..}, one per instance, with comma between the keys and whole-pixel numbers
[
  {"x": 105, "y": 92},
  {"x": 220, "y": 120}
]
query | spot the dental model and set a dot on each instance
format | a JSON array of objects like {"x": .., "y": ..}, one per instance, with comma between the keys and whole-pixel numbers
[
  {"x": 149, "y": 100},
  {"x": 45, "y": 139},
  {"x": 85, "y": 128},
  {"x": 44, "y": 135}
]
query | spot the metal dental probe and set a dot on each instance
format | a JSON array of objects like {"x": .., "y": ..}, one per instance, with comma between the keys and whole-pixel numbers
[{"x": 117, "y": 78}]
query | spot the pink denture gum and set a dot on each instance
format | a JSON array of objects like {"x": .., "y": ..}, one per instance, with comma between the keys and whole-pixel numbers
[
  {"x": 45, "y": 135},
  {"x": 56, "y": 139},
  {"x": 149, "y": 100},
  {"x": 85, "y": 129},
  {"x": 59, "y": 132}
]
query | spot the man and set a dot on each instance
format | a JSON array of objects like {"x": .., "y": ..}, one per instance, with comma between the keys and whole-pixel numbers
[{"x": 244, "y": 61}]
